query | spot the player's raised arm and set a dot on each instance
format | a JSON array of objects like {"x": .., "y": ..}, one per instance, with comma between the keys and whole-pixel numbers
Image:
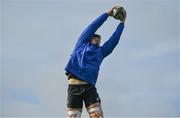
[
  {"x": 91, "y": 29},
  {"x": 118, "y": 13}
]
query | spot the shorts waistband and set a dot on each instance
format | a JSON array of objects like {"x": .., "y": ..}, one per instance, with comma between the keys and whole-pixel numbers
[{"x": 81, "y": 85}]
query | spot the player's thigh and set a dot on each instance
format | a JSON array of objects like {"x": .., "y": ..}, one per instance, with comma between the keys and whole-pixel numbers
[
  {"x": 74, "y": 98},
  {"x": 74, "y": 101},
  {"x": 91, "y": 96}
]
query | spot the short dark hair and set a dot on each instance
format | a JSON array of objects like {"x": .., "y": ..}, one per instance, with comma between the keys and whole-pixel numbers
[{"x": 96, "y": 35}]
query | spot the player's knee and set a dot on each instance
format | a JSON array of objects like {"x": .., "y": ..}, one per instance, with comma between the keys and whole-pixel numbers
[
  {"x": 73, "y": 113},
  {"x": 95, "y": 112}
]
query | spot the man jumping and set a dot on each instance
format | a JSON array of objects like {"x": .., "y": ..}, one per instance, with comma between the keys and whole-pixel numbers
[{"x": 83, "y": 67}]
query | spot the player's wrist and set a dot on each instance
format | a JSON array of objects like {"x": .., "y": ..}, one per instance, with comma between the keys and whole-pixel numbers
[
  {"x": 109, "y": 14},
  {"x": 123, "y": 21}
]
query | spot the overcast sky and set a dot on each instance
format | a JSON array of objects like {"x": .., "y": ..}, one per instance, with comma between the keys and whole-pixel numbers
[{"x": 140, "y": 78}]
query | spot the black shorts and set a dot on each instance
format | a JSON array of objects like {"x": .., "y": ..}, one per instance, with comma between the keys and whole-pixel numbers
[{"x": 79, "y": 93}]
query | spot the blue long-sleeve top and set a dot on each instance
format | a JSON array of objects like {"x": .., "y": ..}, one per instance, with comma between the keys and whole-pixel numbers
[{"x": 86, "y": 58}]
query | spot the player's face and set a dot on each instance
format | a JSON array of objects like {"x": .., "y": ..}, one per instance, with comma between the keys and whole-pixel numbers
[{"x": 96, "y": 41}]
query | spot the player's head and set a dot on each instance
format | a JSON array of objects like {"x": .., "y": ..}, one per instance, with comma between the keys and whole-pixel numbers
[{"x": 96, "y": 40}]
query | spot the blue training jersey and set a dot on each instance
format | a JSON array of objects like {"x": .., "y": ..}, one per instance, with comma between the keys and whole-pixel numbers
[{"x": 86, "y": 58}]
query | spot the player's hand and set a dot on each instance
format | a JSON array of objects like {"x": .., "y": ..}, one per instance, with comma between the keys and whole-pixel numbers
[{"x": 110, "y": 12}]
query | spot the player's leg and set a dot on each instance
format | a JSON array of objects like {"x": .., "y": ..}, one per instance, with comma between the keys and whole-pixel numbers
[
  {"x": 74, "y": 101},
  {"x": 93, "y": 102}
]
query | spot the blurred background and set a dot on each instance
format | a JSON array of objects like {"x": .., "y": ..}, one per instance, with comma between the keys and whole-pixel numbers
[{"x": 140, "y": 78}]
